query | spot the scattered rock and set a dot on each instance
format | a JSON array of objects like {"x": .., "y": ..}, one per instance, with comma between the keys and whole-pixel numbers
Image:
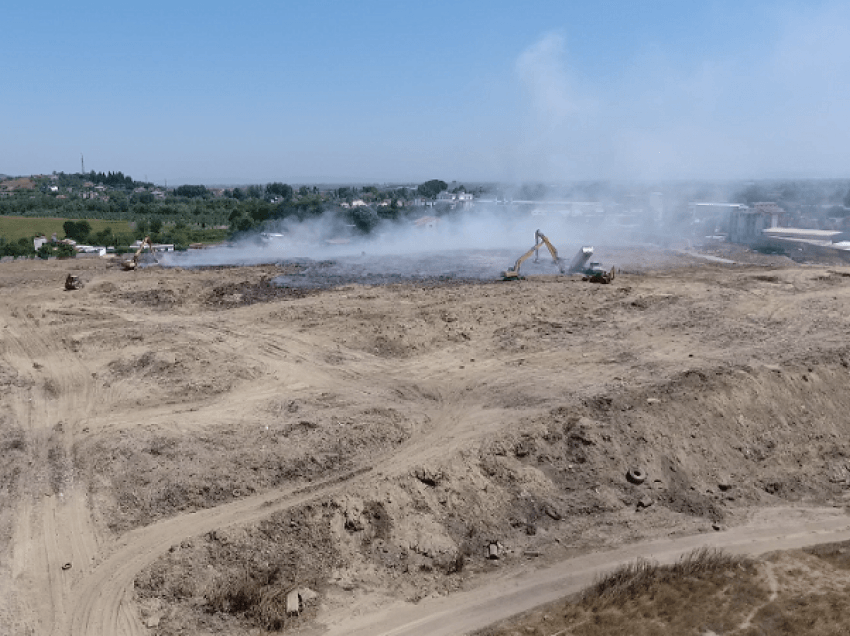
[
  {"x": 645, "y": 502},
  {"x": 552, "y": 512},
  {"x": 428, "y": 476},
  {"x": 724, "y": 484}
]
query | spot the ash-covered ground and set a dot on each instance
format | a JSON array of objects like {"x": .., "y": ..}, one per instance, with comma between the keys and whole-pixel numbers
[{"x": 476, "y": 265}]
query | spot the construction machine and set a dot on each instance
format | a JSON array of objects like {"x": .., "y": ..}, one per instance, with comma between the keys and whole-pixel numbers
[
  {"x": 595, "y": 274},
  {"x": 72, "y": 283},
  {"x": 132, "y": 264},
  {"x": 591, "y": 272},
  {"x": 539, "y": 241}
]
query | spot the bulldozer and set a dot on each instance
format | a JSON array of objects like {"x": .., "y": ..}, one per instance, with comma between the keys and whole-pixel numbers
[
  {"x": 595, "y": 274},
  {"x": 132, "y": 264},
  {"x": 73, "y": 283},
  {"x": 512, "y": 273}
]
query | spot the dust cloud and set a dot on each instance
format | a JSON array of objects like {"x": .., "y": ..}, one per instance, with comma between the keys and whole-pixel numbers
[{"x": 475, "y": 243}]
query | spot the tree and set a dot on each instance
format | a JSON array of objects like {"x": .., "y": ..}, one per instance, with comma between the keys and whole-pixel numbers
[
  {"x": 260, "y": 211},
  {"x": 105, "y": 237},
  {"x": 191, "y": 191},
  {"x": 21, "y": 247},
  {"x": 430, "y": 189},
  {"x": 365, "y": 218},
  {"x": 77, "y": 230},
  {"x": 45, "y": 251},
  {"x": 156, "y": 226},
  {"x": 280, "y": 190},
  {"x": 63, "y": 250}
]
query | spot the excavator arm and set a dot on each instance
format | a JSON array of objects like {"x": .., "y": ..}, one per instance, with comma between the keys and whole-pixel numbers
[
  {"x": 539, "y": 240},
  {"x": 539, "y": 235},
  {"x": 146, "y": 241},
  {"x": 132, "y": 264},
  {"x": 513, "y": 272}
]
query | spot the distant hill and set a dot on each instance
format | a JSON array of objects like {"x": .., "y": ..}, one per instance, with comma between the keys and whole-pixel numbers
[{"x": 22, "y": 183}]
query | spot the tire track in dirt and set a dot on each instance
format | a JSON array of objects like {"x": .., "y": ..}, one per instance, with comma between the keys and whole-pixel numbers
[
  {"x": 105, "y": 597},
  {"x": 505, "y": 596},
  {"x": 54, "y": 526},
  {"x": 455, "y": 419},
  {"x": 103, "y": 601},
  {"x": 773, "y": 585},
  {"x": 104, "y": 604}
]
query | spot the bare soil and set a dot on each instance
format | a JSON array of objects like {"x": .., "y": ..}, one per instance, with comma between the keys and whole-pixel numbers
[{"x": 183, "y": 446}]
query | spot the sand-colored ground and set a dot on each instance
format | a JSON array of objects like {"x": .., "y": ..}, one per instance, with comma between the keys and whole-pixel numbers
[{"x": 181, "y": 447}]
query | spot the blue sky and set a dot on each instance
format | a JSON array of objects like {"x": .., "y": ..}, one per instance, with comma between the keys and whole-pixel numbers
[{"x": 392, "y": 91}]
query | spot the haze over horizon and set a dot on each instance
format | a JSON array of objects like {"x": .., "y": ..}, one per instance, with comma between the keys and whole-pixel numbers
[{"x": 386, "y": 92}]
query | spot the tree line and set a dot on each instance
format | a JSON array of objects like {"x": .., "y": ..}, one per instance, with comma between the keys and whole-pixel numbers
[{"x": 194, "y": 213}]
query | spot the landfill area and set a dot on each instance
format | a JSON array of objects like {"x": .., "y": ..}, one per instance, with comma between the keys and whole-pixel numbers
[{"x": 327, "y": 446}]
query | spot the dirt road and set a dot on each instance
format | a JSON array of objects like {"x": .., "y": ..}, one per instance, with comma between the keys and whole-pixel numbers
[
  {"x": 779, "y": 529},
  {"x": 161, "y": 429}
]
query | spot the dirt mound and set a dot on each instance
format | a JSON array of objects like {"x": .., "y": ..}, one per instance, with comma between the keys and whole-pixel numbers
[
  {"x": 439, "y": 433},
  {"x": 151, "y": 473},
  {"x": 238, "y": 576},
  {"x": 712, "y": 444}
]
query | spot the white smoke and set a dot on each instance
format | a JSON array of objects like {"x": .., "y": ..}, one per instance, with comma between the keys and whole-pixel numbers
[
  {"x": 447, "y": 242},
  {"x": 775, "y": 108}
]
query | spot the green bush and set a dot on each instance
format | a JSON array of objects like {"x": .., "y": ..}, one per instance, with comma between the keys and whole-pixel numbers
[{"x": 64, "y": 250}]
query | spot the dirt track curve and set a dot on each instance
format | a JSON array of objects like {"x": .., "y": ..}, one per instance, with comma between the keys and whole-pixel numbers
[
  {"x": 780, "y": 529},
  {"x": 128, "y": 355}
]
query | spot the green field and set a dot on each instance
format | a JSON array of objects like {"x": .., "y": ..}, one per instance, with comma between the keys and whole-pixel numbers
[{"x": 13, "y": 228}]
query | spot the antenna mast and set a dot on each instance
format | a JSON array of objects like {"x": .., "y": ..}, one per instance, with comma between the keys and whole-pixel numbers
[{"x": 82, "y": 164}]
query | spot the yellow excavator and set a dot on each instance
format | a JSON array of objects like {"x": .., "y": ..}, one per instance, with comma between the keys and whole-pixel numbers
[
  {"x": 592, "y": 273},
  {"x": 129, "y": 265},
  {"x": 539, "y": 241}
]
